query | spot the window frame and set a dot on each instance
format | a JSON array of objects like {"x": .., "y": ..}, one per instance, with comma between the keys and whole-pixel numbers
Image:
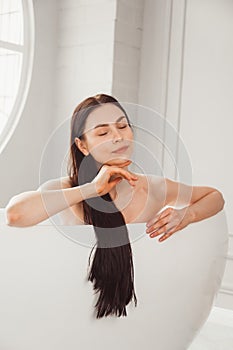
[{"x": 27, "y": 50}]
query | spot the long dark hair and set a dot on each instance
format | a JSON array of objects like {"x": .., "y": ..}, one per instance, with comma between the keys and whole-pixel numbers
[{"x": 112, "y": 267}]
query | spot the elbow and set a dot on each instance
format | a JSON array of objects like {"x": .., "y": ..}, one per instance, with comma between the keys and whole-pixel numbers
[
  {"x": 16, "y": 219},
  {"x": 222, "y": 200},
  {"x": 12, "y": 217}
]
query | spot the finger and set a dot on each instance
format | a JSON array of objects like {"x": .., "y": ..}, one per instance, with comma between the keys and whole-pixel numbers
[
  {"x": 166, "y": 235},
  {"x": 160, "y": 223},
  {"x": 133, "y": 175},
  {"x": 156, "y": 230},
  {"x": 128, "y": 172},
  {"x": 162, "y": 238},
  {"x": 162, "y": 215},
  {"x": 154, "y": 220},
  {"x": 161, "y": 226},
  {"x": 114, "y": 182},
  {"x": 165, "y": 229},
  {"x": 153, "y": 229},
  {"x": 127, "y": 162},
  {"x": 128, "y": 175}
]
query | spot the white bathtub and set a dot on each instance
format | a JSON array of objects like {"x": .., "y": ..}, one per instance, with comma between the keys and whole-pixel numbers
[{"x": 46, "y": 302}]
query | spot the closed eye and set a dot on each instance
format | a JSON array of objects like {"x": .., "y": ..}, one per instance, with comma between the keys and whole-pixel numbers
[{"x": 123, "y": 127}]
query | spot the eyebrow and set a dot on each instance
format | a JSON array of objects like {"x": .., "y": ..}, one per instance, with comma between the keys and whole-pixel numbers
[{"x": 100, "y": 125}]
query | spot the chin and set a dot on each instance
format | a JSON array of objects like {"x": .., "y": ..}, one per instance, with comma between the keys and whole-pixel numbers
[{"x": 117, "y": 160}]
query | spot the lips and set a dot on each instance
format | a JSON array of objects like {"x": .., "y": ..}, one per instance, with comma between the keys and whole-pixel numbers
[{"x": 122, "y": 149}]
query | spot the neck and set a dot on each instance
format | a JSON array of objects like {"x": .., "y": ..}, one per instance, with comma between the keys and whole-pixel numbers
[{"x": 122, "y": 188}]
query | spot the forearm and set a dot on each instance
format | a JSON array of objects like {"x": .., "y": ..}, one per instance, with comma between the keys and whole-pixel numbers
[
  {"x": 30, "y": 208},
  {"x": 206, "y": 207}
]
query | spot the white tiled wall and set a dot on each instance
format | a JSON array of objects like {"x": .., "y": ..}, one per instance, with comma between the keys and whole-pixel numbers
[
  {"x": 98, "y": 51},
  {"x": 85, "y": 45},
  {"x": 127, "y": 49}
]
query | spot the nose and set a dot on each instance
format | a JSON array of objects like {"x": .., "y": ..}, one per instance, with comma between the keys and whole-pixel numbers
[{"x": 116, "y": 135}]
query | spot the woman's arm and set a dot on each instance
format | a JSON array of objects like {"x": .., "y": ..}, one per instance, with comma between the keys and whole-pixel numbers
[
  {"x": 202, "y": 201},
  {"x": 198, "y": 203},
  {"x": 30, "y": 208}
]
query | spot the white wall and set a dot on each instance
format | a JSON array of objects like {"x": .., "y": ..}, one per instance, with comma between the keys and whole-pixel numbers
[
  {"x": 186, "y": 73},
  {"x": 19, "y": 161},
  {"x": 98, "y": 51},
  {"x": 84, "y": 54},
  {"x": 83, "y": 67},
  {"x": 152, "y": 92},
  {"x": 206, "y": 114},
  {"x": 127, "y": 49}
]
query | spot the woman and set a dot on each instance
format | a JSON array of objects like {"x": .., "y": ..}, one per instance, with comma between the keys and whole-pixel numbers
[{"x": 101, "y": 191}]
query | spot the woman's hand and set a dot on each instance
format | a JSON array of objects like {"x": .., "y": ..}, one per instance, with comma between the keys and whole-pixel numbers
[
  {"x": 109, "y": 175},
  {"x": 168, "y": 222}
]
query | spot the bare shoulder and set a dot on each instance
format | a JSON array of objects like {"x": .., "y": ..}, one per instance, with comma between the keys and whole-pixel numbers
[
  {"x": 152, "y": 179},
  {"x": 156, "y": 186},
  {"x": 69, "y": 216}
]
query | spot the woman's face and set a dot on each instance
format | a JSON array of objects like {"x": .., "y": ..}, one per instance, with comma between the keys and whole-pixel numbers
[{"x": 101, "y": 141}]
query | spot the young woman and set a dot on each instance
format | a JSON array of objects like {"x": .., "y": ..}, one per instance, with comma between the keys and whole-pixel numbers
[{"x": 100, "y": 190}]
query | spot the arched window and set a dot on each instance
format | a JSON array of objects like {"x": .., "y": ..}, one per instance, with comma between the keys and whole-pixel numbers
[{"x": 16, "y": 58}]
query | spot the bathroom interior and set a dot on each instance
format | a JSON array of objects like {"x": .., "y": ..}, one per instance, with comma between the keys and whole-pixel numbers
[{"x": 170, "y": 63}]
